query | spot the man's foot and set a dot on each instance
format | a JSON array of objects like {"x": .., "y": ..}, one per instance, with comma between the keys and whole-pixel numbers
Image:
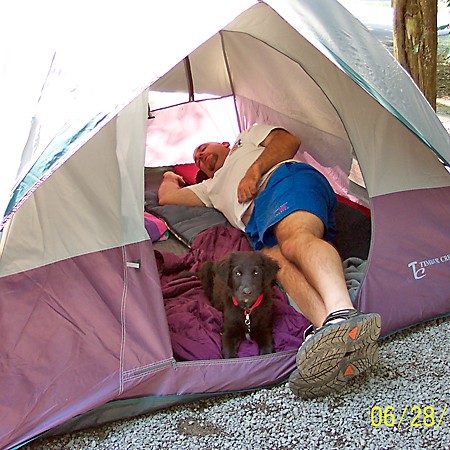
[{"x": 335, "y": 353}]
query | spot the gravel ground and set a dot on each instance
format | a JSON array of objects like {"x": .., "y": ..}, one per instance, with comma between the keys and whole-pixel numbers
[{"x": 404, "y": 403}]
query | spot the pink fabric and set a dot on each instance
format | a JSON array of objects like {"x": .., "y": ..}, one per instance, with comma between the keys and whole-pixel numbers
[
  {"x": 156, "y": 228},
  {"x": 187, "y": 171}
]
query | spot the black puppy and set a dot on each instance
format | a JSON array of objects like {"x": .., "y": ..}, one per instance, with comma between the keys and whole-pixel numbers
[{"x": 240, "y": 285}]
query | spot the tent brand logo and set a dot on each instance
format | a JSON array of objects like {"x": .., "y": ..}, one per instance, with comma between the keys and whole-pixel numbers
[{"x": 419, "y": 268}]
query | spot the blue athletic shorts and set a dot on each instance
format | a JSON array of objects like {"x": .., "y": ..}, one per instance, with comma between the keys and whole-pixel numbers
[{"x": 292, "y": 187}]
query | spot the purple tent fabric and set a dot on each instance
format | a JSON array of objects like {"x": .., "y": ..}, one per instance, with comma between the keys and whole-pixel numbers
[
  {"x": 408, "y": 277},
  {"x": 89, "y": 330},
  {"x": 73, "y": 335}
]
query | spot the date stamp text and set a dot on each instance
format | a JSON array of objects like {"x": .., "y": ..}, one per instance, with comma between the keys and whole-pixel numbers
[{"x": 408, "y": 415}]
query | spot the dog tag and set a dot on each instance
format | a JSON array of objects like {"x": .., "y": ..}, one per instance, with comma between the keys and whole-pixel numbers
[{"x": 247, "y": 321}]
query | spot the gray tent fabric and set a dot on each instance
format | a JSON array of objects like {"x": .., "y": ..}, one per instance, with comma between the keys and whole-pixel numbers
[{"x": 81, "y": 310}]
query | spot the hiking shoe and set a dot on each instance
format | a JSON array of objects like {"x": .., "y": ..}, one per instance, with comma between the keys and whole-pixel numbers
[{"x": 335, "y": 353}]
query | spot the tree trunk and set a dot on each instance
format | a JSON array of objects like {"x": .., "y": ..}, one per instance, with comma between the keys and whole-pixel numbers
[{"x": 415, "y": 42}]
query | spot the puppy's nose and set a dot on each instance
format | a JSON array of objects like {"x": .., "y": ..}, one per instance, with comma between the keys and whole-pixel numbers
[{"x": 246, "y": 291}]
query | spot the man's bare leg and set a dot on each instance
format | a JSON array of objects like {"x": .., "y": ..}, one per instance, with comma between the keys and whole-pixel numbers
[
  {"x": 300, "y": 238},
  {"x": 294, "y": 283},
  {"x": 347, "y": 345}
]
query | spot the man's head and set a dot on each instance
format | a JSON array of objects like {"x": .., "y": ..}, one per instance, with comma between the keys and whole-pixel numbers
[{"x": 209, "y": 157}]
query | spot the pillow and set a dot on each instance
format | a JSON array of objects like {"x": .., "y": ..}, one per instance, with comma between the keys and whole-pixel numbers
[
  {"x": 187, "y": 171},
  {"x": 186, "y": 222}
]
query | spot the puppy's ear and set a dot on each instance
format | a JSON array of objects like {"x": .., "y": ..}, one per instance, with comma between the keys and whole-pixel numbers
[
  {"x": 271, "y": 268},
  {"x": 206, "y": 275},
  {"x": 223, "y": 268}
]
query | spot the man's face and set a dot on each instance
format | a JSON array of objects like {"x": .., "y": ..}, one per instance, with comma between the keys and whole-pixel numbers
[{"x": 209, "y": 157}]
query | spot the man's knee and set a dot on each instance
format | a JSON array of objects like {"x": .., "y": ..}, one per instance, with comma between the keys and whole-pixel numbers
[
  {"x": 286, "y": 266},
  {"x": 291, "y": 245}
]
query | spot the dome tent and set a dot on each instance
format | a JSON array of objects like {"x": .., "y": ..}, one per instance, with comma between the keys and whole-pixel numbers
[{"x": 82, "y": 318}]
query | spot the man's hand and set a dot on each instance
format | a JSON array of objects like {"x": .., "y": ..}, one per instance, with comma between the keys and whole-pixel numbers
[
  {"x": 248, "y": 186},
  {"x": 280, "y": 145},
  {"x": 172, "y": 191},
  {"x": 172, "y": 177}
]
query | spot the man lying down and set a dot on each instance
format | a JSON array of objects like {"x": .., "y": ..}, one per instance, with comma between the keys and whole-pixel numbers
[{"x": 287, "y": 207}]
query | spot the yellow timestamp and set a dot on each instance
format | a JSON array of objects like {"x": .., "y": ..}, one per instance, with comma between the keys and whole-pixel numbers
[{"x": 409, "y": 415}]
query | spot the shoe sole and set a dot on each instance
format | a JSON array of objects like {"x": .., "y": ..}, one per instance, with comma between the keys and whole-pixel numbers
[{"x": 335, "y": 354}]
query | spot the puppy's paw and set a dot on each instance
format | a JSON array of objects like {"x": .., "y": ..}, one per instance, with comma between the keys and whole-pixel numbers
[
  {"x": 229, "y": 353},
  {"x": 266, "y": 349},
  {"x": 265, "y": 344}
]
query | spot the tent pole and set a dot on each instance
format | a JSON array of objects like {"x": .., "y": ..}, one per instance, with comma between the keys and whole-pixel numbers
[{"x": 189, "y": 79}]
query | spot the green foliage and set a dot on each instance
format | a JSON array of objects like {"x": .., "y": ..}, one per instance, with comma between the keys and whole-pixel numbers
[
  {"x": 444, "y": 53},
  {"x": 446, "y": 56}
]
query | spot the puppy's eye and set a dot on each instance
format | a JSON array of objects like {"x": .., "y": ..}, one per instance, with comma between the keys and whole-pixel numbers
[
  {"x": 238, "y": 273},
  {"x": 255, "y": 272}
]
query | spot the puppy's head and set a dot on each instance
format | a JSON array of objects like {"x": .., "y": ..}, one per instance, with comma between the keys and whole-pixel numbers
[{"x": 248, "y": 275}]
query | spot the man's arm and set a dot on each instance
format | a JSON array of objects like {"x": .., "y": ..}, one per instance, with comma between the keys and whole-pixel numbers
[
  {"x": 172, "y": 192},
  {"x": 279, "y": 146}
]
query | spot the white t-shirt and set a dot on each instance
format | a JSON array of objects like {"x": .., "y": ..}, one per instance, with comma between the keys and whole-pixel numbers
[{"x": 220, "y": 191}]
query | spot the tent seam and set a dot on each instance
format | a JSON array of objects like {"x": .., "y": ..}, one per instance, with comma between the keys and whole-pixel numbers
[{"x": 123, "y": 324}]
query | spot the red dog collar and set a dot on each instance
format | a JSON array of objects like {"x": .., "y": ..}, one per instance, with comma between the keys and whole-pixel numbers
[{"x": 256, "y": 304}]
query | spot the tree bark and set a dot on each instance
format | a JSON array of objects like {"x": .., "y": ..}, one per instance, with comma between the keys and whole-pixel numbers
[{"x": 415, "y": 42}]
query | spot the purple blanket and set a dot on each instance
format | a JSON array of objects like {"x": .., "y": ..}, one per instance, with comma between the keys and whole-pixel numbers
[{"x": 195, "y": 325}]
